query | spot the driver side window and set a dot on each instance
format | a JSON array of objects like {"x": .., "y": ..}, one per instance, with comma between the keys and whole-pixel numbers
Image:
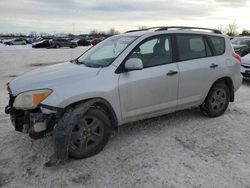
[{"x": 154, "y": 51}]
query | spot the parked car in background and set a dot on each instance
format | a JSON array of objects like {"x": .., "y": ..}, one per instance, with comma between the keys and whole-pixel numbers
[
  {"x": 37, "y": 39},
  {"x": 82, "y": 42},
  {"x": 41, "y": 44},
  {"x": 16, "y": 42},
  {"x": 62, "y": 42},
  {"x": 95, "y": 41},
  {"x": 241, "y": 45},
  {"x": 245, "y": 66}
]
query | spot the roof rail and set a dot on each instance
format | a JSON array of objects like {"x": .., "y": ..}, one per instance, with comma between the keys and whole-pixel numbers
[
  {"x": 184, "y": 27},
  {"x": 162, "y": 28},
  {"x": 146, "y": 29}
]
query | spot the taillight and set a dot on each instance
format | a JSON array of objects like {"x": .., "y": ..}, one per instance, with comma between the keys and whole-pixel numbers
[{"x": 236, "y": 56}]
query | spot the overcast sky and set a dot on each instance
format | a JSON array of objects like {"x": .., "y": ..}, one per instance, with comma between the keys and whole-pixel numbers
[{"x": 80, "y": 16}]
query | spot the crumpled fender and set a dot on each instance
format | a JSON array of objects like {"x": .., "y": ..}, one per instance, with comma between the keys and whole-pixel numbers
[{"x": 62, "y": 130}]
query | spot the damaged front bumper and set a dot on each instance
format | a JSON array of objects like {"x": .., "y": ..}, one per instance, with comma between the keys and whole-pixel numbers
[{"x": 34, "y": 122}]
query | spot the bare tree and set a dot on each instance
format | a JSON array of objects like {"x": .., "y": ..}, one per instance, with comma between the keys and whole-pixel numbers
[
  {"x": 112, "y": 31},
  {"x": 222, "y": 29},
  {"x": 232, "y": 29},
  {"x": 43, "y": 34},
  {"x": 93, "y": 32},
  {"x": 33, "y": 34}
]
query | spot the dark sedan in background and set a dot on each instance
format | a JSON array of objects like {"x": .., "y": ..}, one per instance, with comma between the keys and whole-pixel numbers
[
  {"x": 41, "y": 44},
  {"x": 62, "y": 42},
  {"x": 82, "y": 42}
]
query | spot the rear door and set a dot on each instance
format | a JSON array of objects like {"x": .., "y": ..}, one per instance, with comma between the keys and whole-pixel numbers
[
  {"x": 153, "y": 89},
  {"x": 198, "y": 68}
]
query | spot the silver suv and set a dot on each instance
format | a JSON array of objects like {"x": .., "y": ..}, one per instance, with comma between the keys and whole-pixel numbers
[{"x": 127, "y": 77}]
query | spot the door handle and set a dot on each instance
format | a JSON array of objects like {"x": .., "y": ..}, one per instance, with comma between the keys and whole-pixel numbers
[
  {"x": 171, "y": 72},
  {"x": 213, "y": 65}
]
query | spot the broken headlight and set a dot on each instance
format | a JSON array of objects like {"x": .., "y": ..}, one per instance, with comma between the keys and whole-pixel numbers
[{"x": 31, "y": 99}]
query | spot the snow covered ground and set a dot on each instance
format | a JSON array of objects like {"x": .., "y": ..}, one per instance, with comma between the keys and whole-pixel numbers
[{"x": 182, "y": 149}]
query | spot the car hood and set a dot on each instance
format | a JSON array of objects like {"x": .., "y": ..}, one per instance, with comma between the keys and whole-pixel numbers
[
  {"x": 246, "y": 60},
  {"x": 52, "y": 76}
]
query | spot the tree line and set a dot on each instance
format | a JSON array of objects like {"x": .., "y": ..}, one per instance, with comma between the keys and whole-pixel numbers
[
  {"x": 94, "y": 32},
  {"x": 231, "y": 30}
]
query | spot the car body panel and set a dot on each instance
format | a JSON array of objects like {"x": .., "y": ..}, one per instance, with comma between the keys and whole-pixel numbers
[
  {"x": 52, "y": 76},
  {"x": 192, "y": 89},
  {"x": 147, "y": 91}
]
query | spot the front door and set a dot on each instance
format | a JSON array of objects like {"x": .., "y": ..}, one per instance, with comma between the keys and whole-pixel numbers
[{"x": 153, "y": 89}]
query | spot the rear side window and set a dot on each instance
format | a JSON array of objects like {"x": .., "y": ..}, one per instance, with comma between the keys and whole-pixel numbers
[
  {"x": 218, "y": 44},
  {"x": 190, "y": 47}
]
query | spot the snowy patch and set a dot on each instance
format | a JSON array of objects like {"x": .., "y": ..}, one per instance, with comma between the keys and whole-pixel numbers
[{"x": 182, "y": 149}]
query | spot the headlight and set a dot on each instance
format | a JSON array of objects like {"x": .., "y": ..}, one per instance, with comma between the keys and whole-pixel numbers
[{"x": 31, "y": 99}]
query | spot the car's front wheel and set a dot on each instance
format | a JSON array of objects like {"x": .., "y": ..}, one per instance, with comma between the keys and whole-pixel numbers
[
  {"x": 217, "y": 101},
  {"x": 90, "y": 134}
]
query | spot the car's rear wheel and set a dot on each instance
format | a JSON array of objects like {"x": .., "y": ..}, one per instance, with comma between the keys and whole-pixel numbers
[
  {"x": 72, "y": 46},
  {"x": 57, "y": 46},
  {"x": 217, "y": 100},
  {"x": 90, "y": 134}
]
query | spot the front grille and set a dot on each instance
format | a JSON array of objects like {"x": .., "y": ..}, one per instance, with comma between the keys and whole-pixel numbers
[
  {"x": 246, "y": 75},
  {"x": 9, "y": 109}
]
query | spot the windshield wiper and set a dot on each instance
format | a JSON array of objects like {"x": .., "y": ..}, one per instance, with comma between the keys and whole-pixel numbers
[
  {"x": 91, "y": 65},
  {"x": 76, "y": 61}
]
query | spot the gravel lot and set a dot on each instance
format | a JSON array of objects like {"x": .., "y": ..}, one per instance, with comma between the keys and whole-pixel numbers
[{"x": 182, "y": 149}]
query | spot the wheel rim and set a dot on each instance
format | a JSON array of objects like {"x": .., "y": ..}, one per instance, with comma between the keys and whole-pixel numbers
[
  {"x": 86, "y": 135},
  {"x": 218, "y": 100}
]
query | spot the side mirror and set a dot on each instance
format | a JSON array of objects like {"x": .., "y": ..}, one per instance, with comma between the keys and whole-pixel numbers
[{"x": 134, "y": 64}]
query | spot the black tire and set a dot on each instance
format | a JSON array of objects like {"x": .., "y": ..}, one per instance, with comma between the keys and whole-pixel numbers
[
  {"x": 57, "y": 46},
  {"x": 93, "y": 129},
  {"x": 217, "y": 101},
  {"x": 72, "y": 46}
]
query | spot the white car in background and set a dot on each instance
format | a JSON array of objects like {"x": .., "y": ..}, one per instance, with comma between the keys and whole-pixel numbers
[{"x": 245, "y": 66}]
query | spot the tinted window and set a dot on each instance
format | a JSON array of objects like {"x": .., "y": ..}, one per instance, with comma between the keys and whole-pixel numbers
[
  {"x": 155, "y": 51},
  {"x": 218, "y": 44},
  {"x": 190, "y": 47}
]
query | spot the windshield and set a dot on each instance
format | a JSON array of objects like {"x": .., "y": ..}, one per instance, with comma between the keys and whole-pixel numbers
[
  {"x": 240, "y": 41},
  {"x": 106, "y": 52}
]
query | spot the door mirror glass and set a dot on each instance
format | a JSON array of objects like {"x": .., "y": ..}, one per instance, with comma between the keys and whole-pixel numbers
[{"x": 134, "y": 64}]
